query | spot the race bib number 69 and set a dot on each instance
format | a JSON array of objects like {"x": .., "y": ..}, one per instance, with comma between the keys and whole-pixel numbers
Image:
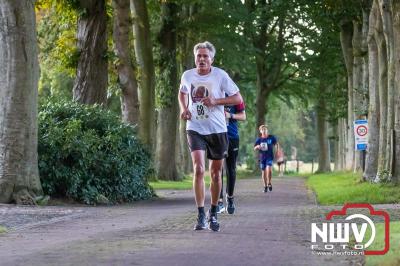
[{"x": 199, "y": 111}]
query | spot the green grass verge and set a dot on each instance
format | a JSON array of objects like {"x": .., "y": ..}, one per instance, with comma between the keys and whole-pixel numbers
[
  {"x": 3, "y": 229},
  {"x": 186, "y": 183},
  {"x": 294, "y": 174},
  {"x": 393, "y": 255},
  {"x": 338, "y": 188}
]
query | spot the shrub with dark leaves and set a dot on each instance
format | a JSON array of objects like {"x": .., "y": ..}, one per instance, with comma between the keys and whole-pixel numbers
[{"x": 86, "y": 153}]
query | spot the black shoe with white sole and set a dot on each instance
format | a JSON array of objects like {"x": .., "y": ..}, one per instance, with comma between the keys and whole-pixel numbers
[
  {"x": 213, "y": 222},
  {"x": 201, "y": 222},
  {"x": 231, "y": 205}
]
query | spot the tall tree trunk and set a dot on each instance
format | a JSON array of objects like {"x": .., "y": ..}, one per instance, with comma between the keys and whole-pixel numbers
[
  {"x": 387, "y": 25},
  {"x": 261, "y": 104},
  {"x": 263, "y": 89},
  {"x": 346, "y": 33},
  {"x": 383, "y": 100},
  {"x": 19, "y": 73},
  {"x": 261, "y": 112},
  {"x": 396, "y": 51},
  {"x": 92, "y": 76},
  {"x": 342, "y": 133},
  {"x": 167, "y": 87},
  {"x": 269, "y": 74},
  {"x": 364, "y": 50},
  {"x": 323, "y": 143},
  {"x": 125, "y": 66},
  {"x": 186, "y": 62},
  {"x": 358, "y": 96},
  {"x": 336, "y": 145},
  {"x": 144, "y": 58},
  {"x": 371, "y": 161}
]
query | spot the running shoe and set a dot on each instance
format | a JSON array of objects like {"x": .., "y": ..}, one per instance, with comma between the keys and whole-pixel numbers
[
  {"x": 213, "y": 222},
  {"x": 201, "y": 222},
  {"x": 220, "y": 207},
  {"x": 270, "y": 187},
  {"x": 231, "y": 205},
  {"x": 265, "y": 189}
]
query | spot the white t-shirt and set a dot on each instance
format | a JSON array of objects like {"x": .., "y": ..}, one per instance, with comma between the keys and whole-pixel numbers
[{"x": 205, "y": 120}]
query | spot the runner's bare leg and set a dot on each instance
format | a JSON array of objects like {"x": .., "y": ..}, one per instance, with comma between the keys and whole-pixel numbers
[
  {"x": 198, "y": 176},
  {"x": 264, "y": 176},
  {"x": 269, "y": 174},
  {"x": 216, "y": 183}
]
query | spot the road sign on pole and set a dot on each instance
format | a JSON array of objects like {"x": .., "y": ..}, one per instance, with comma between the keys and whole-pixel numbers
[{"x": 361, "y": 134}]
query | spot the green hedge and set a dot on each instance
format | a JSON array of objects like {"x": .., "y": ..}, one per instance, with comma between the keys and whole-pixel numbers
[{"x": 87, "y": 154}]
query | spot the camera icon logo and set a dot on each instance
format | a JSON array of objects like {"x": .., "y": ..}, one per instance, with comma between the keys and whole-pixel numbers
[{"x": 336, "y": 235}]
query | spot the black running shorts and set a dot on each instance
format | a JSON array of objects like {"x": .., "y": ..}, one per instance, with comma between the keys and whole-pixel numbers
[{"x": 216, "y": 144}]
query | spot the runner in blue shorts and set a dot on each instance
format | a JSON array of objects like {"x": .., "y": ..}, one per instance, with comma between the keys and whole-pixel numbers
[{"x": 265, "y": 144}]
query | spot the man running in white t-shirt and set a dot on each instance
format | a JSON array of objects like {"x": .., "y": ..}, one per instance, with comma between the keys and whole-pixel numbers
[{"x": 202, "y": 100}]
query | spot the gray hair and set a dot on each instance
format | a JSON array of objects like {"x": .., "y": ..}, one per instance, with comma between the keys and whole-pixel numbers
[{"x": 206, "y": 45}]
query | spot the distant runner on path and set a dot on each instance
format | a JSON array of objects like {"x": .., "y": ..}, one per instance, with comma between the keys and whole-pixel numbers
[
  {"x": 280, "y": 161},
  {"x": 265, "y": 145},
  {"x": 202, "y": 100}
]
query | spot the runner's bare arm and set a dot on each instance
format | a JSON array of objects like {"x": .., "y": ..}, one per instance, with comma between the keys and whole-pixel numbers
[
  {"x": 239, "y": 116},
  {"x": 183, "y": 104},
  {"x": 230, "y": 100}
]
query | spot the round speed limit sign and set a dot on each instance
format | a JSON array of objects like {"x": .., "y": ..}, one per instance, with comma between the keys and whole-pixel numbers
[{"x": 361, "y": 130}]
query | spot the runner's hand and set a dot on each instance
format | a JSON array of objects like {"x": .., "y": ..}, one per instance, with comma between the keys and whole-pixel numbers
[
  {"x": 209, "y": 101},
  {"x": 186, "y": 115},
  {"x": 257, "y": 147}
]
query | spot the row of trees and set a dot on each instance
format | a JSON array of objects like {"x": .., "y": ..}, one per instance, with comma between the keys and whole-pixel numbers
[
  {"x": 19, "y": 178},
  {"x": 383, "y": 40},
  {"x": 257, "y": 45},
  {"x": 146, "y": 51},
  {"x": 335, "y": 60},
  {"x": 369, "y": 36}
]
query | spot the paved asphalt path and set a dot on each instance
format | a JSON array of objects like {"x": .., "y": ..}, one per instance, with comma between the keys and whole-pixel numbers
[{"x": 267, "y": 229}]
